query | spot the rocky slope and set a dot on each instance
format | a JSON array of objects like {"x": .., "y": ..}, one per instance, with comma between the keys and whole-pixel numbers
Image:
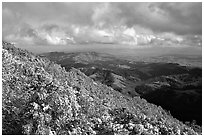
[{"x": 40, "y": 97}]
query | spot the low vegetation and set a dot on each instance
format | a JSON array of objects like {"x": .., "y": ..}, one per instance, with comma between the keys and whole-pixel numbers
[{"x": 40, "y": 97}]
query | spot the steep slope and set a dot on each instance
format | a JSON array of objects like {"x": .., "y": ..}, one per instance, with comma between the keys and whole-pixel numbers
[
  {"x": 40, "y": 97},
  {"x": 123, "y": 76},
  {"x": 101, "y": 67}
]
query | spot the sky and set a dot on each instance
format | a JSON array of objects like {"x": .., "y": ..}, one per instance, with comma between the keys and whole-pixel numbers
[{"x": 133, "y": 24}]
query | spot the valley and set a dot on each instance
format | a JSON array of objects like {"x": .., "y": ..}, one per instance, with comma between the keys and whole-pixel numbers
[
  {"x": 174, "y": 86},
  {"x": 101, "y": 68}
]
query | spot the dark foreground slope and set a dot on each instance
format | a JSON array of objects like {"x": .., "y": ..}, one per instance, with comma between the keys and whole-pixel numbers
[
  {"x": 40, "y": 97},
  {"x": 181, "y": 94}
]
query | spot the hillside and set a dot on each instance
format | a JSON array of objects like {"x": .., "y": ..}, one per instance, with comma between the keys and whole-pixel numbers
[
  {"x": 40, "y": 97},
  {"x": 176, "y": 88},
  {"x": 181, "y": 94},
  {"x": 110, "y": 70}
]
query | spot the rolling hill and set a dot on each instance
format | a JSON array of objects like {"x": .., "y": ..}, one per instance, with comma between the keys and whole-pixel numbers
[
  {"x": 177, "y": 88},
  {"x": 40, "y": 97}
]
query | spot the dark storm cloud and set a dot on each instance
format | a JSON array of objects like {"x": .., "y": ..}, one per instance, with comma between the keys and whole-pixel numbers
[
  {"x": 62, "y": 13},
  {"x": 181, "y": 18},
  {"x": 185, "y": 17}
]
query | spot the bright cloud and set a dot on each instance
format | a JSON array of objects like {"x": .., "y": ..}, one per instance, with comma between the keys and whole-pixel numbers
[{"x": 124, "y": 23}]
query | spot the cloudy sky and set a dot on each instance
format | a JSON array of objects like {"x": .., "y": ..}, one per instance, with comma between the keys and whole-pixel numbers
[{"x": 124, "y": 23}]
